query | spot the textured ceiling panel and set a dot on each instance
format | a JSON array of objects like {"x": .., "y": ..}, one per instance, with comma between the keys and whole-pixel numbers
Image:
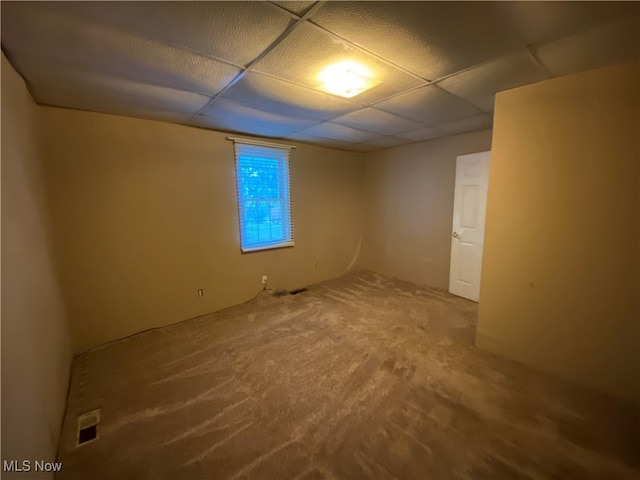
[
  {"x": 272, "y": 94},
  {"x": 387, "y": 142},
  {"x": 325, "y": 142},
  {"x": 236, "y": 32},
  {"x": 613, "y": 43},
  {"x": 309, "y": 50},
  {"x": 545, "y": 21},
  {"x": 84, "y": 84},
  {"x": 427, "y": 133},
  {"x": 430, "y": 39},
  {"x": 469, "y": 124},
  {"x": 238, "y": 125},
  {"x": 479, "y": 85},
  {"x": 104, "y": 105},
  {"x": 340, "y": 132},
  {"x": 244, "y": 118},
  {"x": 34, "y": 34},
  {"x": 374, "y": 120},
  {"x": 429, "y": 105},
  {"x": 297, "y": 7}
]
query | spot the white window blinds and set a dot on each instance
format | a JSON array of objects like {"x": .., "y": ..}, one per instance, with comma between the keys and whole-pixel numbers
[{"x": 262, "y": 175}]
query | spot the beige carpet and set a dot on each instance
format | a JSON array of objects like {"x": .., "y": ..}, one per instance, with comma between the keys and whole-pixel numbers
[{"x": 359, "y": 377}]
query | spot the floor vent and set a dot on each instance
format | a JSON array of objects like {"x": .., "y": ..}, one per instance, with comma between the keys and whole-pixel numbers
[
  {"x": 88, "y": 427},
  {"x": 297, "y": 291}
]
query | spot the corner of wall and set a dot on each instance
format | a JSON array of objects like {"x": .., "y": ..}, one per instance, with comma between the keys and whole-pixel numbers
[
  {"x": 36, "y": 348},
  {"x": 560, "y": 287}
]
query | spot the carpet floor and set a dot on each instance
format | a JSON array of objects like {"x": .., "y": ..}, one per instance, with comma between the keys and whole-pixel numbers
[{"x": 359, "y": 377}]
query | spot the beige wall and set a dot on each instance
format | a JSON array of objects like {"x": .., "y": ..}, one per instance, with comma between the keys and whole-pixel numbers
[
  {"x": 560, "y": 273},
  {"x": 36, "y": 351},
  {"x": 409, "y": 207},
  {"x": 146, "y": 214}
]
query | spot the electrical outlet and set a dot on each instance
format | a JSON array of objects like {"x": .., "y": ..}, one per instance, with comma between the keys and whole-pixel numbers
[
  {"x": 200, "y": 292},
  {"x": 264, "y": 279}
]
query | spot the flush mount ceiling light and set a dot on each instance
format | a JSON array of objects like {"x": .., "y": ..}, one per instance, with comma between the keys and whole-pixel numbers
[{"x": 347, "y": 79}]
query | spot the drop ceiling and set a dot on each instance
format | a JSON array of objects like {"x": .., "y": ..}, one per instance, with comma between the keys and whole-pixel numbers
[{"x": 253, "y": 67}]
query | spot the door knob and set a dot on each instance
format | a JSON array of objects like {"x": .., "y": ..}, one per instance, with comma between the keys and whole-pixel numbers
[{"x": 456, "y": 234}]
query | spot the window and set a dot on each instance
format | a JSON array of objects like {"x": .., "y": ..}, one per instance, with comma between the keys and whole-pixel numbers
[{"x": 262, "y": 175}]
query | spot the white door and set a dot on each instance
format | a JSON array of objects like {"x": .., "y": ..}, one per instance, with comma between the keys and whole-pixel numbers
[{"x": 467, "y": 234}]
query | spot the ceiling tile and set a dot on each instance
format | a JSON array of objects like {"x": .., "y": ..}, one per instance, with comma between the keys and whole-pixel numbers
[
  {"x": 545, "y": 21},
  {"x": 422, "y": 134},
  {"x": 606, "y": 45},
  {"x": 285, "y": 98},
  {"x": 431, "y": 39},
  {"x": 429, "y": 105},
  {"x": 53, "y": 77},
  {"x": 469, "y": 124},
  {"x": 236, "y": 32},
  {"x": 388, "y": 142},
  {"x": 243, "y": 118},
  {"x": 231, "y": 124},
  {"x": 297, "y": 7},
  {"x": 31, "y": 34},
  {"x": 374, "y": 120},
  {"x": 303, "y": 55},
  {"x": 96, "y": 103},
  {"x": 339, "y": 132},
  {"x": 325, "y": 142},
  {"x": 479, "y": 85},
  {"x": 306, "y": 137}
]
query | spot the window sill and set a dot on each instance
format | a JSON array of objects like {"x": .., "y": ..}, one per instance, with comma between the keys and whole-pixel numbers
[{"x": 267, "y": 247}]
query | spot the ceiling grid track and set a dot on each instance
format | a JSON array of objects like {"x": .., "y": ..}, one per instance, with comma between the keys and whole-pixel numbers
[
  {"x": 300, "y": 21},
  {"x": 374, "y": 55}
]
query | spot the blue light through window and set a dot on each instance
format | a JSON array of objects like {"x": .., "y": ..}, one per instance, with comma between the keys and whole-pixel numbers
[{"x": 262, "y": 175}]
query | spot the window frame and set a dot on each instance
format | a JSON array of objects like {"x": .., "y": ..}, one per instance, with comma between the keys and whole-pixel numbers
[{"x": 243, "y": 148}]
